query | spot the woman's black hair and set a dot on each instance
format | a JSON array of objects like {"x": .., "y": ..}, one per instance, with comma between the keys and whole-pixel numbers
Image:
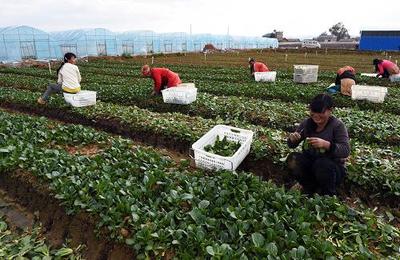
[
  {"x": 376, "y": 62},
  {"x": 67, "y": 56},
  {"x": 320, "y": 103}
]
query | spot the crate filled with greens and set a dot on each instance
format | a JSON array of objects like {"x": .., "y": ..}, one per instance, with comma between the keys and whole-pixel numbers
[{"x": 223, "y": 147}]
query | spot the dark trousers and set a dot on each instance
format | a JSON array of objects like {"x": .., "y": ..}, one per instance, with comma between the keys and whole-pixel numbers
[
  {"x": 317, "y": 174},
  {"x": 385, "y": 74},
  {"x": 345, "y": 75}
]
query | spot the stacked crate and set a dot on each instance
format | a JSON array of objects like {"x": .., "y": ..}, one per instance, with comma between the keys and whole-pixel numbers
[{"x": 305, "y": 73}]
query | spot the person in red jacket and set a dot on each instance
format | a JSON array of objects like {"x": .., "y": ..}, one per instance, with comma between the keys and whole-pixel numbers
[
  {"x": 385, "y": 68},
  {"x": 257, "y": 66},
  {"x": 162, "y": 77}
]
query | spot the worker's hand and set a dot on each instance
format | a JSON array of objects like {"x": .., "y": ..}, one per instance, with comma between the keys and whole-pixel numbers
[
  {"x": 319, "y": 143},
  {"x": 294, "y": 137}
]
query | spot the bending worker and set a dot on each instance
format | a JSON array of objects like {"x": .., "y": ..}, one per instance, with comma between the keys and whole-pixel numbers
[
  {"x": 385, "y": 68},
  {"x": 257, "y": 66},
  {"x": 163, "y": 78},
  {"x": 345, "y": 78}
]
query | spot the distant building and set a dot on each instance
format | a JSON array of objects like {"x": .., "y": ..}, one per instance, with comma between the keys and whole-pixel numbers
[
  {"x": 290, "y": 40},
  {"x": 350, "y": 40},
  {"x": 275, "y": 34},
  {"x": 380, "y": 40},
  {"x": 326, "y": 38}
]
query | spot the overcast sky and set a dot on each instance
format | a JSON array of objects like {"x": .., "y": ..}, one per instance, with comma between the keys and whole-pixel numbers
[{"x": 301, "y": 18}]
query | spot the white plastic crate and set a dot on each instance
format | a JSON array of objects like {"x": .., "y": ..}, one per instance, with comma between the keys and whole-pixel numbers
[
  {"x": 395, "y": 78},
  {"x": 371, "y": 93},
  {"x": 181, "y": 94},
  {"x": 305, "y": 78},
  {"x": 186, "y": 85},
  {"x": 206, "y": 160},
  {"x": 372, "y": 75},
  {"x": 306, "y": 69},
  {"x": 268, "y": 76},
  {"x": 81, "y": 99}
]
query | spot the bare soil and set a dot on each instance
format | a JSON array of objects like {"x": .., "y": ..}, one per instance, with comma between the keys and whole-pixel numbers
[{"x": 31, "y": 199}]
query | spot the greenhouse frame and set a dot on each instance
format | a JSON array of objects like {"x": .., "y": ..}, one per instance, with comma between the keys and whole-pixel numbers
[{"x": 23, "y": 42}]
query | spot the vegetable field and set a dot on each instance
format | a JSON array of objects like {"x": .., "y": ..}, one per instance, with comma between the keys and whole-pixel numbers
[{"x": 122, "y": 170}]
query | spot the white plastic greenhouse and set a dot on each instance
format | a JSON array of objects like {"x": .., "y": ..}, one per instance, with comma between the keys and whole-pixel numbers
[
  {"x": 86, "y": 42},
  {"x": 24, "y": 42}
]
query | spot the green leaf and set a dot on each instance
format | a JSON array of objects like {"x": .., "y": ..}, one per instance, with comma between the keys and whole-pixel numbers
[
  {"x": 3, "y": 226},
  {"x": 243, "y": 257},
  {"x": 258, "y": 239},
  {"x": 231, "y": 212},
  {"x": 64, "y": 252},
  {"x": 204, "y": 204},
  {"x": 272, "y": 249},
  {"x": 358, "y": 239},
  {"x": 301, "y": 251},
  {"x": 129, "y": 241},
  {"x": 210, "y": 250},
  {"x": 196, "y": 215},
  {"x": 135, "y": 217},
  {"x": 187, "y": 196}
]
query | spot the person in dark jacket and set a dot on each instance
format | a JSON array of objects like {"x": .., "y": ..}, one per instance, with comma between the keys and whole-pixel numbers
[{"x": 325, "y": 141}]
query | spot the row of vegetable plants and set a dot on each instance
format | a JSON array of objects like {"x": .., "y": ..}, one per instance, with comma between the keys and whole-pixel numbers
[
  {"x": 30, "y": 244},
  {"x": 193, "y": 73},
  {"x": 163, "y": 209},
  {"x": 235, "y": 74},
  {"x": 370, "y": 166},
  {"x": 376, "y": 127},
  {"x": 283, "y": 89}
]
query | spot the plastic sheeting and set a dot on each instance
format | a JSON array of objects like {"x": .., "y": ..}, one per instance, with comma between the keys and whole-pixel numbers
[
  {"x": 86, "y": 42},
  {"x": 23, "y": 42}
]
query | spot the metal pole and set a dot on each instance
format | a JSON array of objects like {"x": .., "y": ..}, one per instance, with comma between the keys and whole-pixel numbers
[
  {"x": 5, "y": 46},
  {"x": 35, "y": 52},
  {"x": 115, "y": 46},
  {"x": 86, "y": 44},
  {"x": 20, "y": 49},
  {"x": 34, "y": 49},
  {"x": 48, "y": 44}
]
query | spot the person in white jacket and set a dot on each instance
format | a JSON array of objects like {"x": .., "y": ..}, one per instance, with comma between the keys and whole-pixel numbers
[{"x": 68, "y": 81}]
